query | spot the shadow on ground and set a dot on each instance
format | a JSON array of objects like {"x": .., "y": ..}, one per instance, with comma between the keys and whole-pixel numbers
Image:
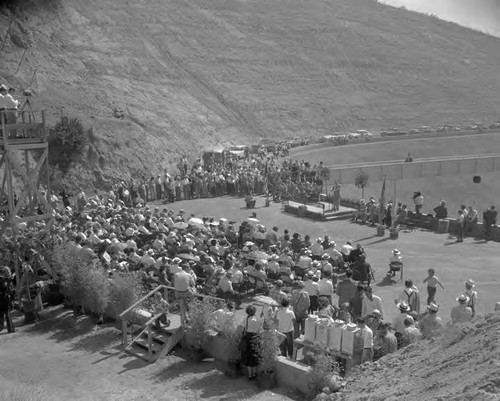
[
  {"x": 209, "y": 386},
  {"x": 62, "y": 325}
]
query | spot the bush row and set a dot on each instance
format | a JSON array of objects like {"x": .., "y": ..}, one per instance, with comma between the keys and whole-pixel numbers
[{"x": 86, "y": 284}]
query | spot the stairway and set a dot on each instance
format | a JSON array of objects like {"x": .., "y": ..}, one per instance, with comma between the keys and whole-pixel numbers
[{"x": 159, "y": 344}]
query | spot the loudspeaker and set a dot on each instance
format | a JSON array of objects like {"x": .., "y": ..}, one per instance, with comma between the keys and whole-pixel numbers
[{"x": 476, "y": 179}]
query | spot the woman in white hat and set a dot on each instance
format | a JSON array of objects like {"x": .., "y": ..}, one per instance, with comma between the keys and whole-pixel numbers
[{"x": 469, "y": 291}]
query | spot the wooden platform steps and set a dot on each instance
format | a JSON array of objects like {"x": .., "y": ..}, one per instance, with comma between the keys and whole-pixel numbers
[{"x": 150, "y": 343}]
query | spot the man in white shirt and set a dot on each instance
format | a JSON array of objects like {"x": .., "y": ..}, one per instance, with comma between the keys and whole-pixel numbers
[
  {"x": 286, "y": 320},
  {"x": 371, "y": 302},
  {"x": 184, "y": 285},
  {"x": 367, "y": 336},
  {"x": 325, "y": 287}
]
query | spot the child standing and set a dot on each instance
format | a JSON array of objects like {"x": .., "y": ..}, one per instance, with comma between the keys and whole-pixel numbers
[
  {"x": 160, "y": 306},
  {"x": 432, "y": 283}
]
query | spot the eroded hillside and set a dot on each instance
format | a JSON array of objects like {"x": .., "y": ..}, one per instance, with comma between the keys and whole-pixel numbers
[
  {"x": 191, "y": 74},
  {"x": 464, "y": 364}
]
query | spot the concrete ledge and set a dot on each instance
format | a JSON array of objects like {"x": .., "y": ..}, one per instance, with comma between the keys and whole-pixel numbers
[{"x": 292, "y": 375}]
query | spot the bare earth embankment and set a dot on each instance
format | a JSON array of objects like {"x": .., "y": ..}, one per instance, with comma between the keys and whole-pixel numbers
[{"x": 190, "y": 74}]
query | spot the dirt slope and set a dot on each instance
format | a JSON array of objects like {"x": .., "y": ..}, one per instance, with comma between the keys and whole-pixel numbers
[
  {"x": 191, "y": 74},
  {"x": 463, "y": 365}
]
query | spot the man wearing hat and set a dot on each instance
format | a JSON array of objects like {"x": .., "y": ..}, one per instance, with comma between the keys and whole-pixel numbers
[
  {"x": 461, "y": 313},
  {"x": 325, "y": 265},
  {"x": 399, "y": 321},
  {"x": 7, "y": 292},
  {"x": 431, "y": 324},
  {"x": 326, "y": 286}
]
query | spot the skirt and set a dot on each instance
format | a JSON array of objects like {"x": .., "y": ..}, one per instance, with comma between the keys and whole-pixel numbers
[{"x": 250, "y": 356}]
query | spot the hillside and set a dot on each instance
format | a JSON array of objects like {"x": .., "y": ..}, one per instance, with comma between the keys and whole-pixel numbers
[
  {"x": 463, "y": 365},
  {"x": 191, "y": 74}
]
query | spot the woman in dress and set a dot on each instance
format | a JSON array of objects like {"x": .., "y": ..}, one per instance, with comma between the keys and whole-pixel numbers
[{"x": 251, "y": 329}]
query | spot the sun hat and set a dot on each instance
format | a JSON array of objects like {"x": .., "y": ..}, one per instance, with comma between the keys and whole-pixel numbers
[
  {"x": 376, "y": 313},
  {"x": 396, "y": 252},
  {"x": 310, "y": 273},
  {"x": 315, "y": 264},
  {"x": 319, "y": 239},
  {"x": 470, "y": 283},
  {"x": 432, "y": 307},
  {"x": 325, "y": 256},
  {"x": 403, "y": 306},
  {"x": 176, "y": 260},
  {"x": 463, "y": 299}
]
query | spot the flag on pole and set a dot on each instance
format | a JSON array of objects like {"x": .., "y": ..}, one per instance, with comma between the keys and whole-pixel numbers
[{"x": 381, "y": 211}]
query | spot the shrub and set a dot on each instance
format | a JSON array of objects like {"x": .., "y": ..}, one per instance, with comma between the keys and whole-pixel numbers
[
  {"x": 200, "y": 312},
  {"x": 268, "y": 346},
  {"x": 67, "y": 139},
  {"x": 97, "y": 290},
  {"x": 324, "y": 369},
  {"x": 124, "y": 291}
]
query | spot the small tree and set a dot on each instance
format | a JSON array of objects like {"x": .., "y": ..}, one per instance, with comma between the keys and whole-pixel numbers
[
  {"x": 361, "y": 181},
  {"x": 67, "y": 139}
]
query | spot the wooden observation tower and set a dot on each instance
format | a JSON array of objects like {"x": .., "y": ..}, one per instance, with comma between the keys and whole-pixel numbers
[{"x": 24, "y": 170}]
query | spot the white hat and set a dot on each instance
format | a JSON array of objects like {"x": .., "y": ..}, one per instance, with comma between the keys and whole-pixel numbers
[
  {"x": 433, "y": 307},
  {"x": 396, "y": 252},
  {"x": 470, "y": 283},
  {"x": 463, "y": 299},
  {"x": 176, "y": 260},
  {"x": 403, "y": 306}
]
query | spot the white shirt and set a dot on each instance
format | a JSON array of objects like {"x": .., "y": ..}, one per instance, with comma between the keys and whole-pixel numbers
[
  {"x": 311, "y": 287},
  {"x": 325, "y": 287},
  {"x": 399, "y": 322},
  {"x": 285, "y": 318},
  {"x": 367, "y": 334},
  {"x": 183, "y": 281}
]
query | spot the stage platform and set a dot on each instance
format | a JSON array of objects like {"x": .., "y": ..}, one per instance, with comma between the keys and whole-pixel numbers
[{"x": 318, "y": 210}]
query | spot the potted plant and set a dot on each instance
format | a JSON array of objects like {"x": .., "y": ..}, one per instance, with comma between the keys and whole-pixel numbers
[
  {"x": 200, "y": 319},
  {"x": 268, "y": 350}
]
